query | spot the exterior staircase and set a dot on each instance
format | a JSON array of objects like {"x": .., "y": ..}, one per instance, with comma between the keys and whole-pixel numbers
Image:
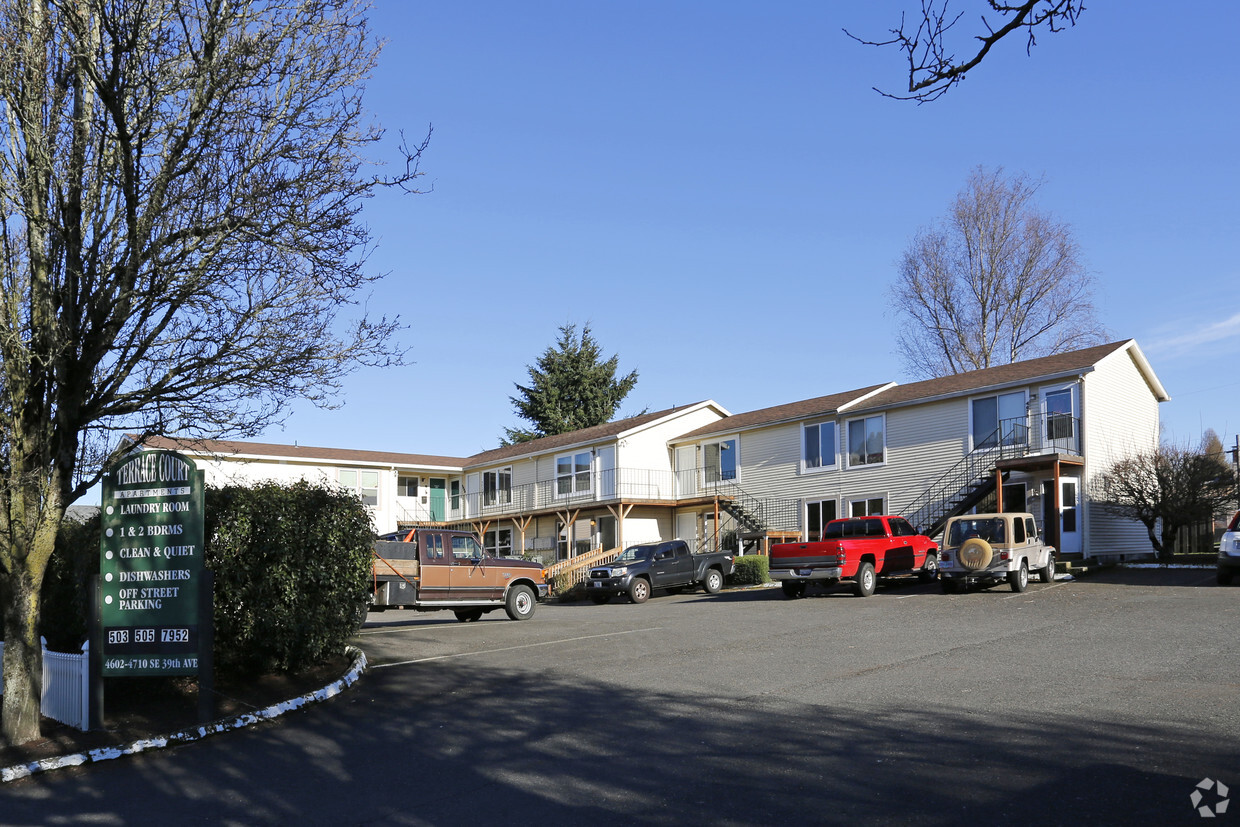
[
  {"x": 755, "y": 517},
  {"x": 966, "y": 483}
]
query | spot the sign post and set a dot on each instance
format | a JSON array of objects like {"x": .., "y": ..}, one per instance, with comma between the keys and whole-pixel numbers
[{"x": 151, "y": 621}]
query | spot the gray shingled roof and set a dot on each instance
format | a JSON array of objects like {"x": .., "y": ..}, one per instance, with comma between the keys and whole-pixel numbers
[
  {"x": 550, "y": 443},
  {"x": 1030, "y": 370},
  {"x": 818, "y": 406}
]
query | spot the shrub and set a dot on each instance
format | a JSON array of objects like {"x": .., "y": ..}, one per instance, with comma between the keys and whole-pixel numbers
[
  {"x": 65, "y": 596},
  {"x": 292, "y": 568},
  {"x": 752, "y": 569}
]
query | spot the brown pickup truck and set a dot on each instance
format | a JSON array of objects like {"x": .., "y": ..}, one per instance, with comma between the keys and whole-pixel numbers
[{"x": 432, "y": 569}]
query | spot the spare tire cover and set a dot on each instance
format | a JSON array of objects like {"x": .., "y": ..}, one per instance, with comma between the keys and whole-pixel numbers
[{"x": 975, "y": 553}]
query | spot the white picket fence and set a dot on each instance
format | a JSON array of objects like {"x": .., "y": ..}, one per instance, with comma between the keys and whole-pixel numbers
[{"x": 66, "y": 685}]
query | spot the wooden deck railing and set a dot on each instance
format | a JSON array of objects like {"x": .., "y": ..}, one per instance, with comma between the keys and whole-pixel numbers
[{"x": 565, "y": 574}]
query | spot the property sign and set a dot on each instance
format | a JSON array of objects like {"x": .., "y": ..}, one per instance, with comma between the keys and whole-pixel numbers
[{"x": 151, "y": 565}]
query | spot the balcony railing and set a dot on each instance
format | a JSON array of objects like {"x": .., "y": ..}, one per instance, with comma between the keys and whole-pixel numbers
[{"x": 597, "y": 487}]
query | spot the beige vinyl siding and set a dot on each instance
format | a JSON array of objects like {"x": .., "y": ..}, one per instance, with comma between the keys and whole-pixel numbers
[
  {"x": 1119, "y": 417},
  {"x": 922, "y": 443}
]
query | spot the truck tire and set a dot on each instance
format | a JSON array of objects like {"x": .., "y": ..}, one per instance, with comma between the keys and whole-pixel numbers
[
  {"x": 929, "y": 569},
  {"x": 793, "y": 589},
  {"x": 468, "y": 615},
  {"x": 1047, "y": 573},
  {"x": 520, "y": 602},
  {"x": 639, "y": 590},
  {"x": 1019, "y": 579},
  {"x": 713, "y": 582},
  {"x": 866, "y": 580}
]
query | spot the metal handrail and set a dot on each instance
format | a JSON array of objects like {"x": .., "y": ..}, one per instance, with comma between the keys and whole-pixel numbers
[{"x": 1012, "y": 438}]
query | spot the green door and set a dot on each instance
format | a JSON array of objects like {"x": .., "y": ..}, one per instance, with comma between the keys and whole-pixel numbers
[{"x": 438, "y": 512}]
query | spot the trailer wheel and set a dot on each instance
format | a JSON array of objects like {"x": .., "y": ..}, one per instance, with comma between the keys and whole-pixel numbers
[{"x": 520, "y": 602}]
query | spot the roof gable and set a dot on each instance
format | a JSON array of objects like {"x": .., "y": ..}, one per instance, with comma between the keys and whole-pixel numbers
[
  {"x": 1014, "y": 373},
  {"x": 606, "y": 431}
]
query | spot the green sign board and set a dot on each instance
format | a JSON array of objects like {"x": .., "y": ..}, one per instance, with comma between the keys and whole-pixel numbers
[{"x": 150, "y": 568}]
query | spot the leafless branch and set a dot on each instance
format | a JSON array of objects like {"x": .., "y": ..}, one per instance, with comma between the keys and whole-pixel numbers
[{"x": 934, "y": 68}]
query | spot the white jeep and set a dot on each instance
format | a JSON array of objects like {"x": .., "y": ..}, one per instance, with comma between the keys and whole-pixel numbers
[{"x": 984, "y": 549}]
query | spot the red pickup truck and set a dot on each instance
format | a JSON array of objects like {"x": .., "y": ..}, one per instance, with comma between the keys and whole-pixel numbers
[{"x": 860, "y": 549}]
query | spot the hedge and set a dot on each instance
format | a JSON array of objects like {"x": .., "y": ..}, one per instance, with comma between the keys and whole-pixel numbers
[
  {"x": 751, "y": 569},
  {"x": 292, "y": 568}
]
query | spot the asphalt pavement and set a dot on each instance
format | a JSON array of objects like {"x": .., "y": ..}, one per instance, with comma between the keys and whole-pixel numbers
[{"x": 1106, "y": 700}]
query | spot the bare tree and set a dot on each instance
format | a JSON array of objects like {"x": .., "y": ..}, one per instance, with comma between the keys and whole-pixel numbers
[
  {"x": 933, "y": 67},
  {"x": 1167, "y": 490},
  {"x": 993, "y": 282},
  {"x": 180, "y": 183}
]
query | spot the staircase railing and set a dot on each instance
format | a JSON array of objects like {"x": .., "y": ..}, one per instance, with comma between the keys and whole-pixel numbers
[
  {"x": 566, "y": 574},
  {"x": 943, "y": 497},
  {"x": 754, "y": 514}
]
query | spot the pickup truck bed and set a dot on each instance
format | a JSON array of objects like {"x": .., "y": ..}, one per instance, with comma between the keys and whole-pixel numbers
[{"x": 860, "y": 549}]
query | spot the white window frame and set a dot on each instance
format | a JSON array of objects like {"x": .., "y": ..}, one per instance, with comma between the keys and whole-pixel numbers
[
  {"x": 500, "y": 493},
  {"x": 736, "y": 470},
  {"x": 848, "y": 441},
  {"x": 578, "y": 481},
  {"x": 1073, "y": 416},
  {"x": 866, "y": 503},
  {"x": 492, "y": 546},
  {"x": 833, "y": 453},
  {"x": 402, "y": 481},
  {"x": 835, "y": 506},
  {"x": 355, "y": 479},
  {"x": 1020, "y": 439}
]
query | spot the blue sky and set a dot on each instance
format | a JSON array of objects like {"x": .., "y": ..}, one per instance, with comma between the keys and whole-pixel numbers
[{"x": 718, "y": 192}]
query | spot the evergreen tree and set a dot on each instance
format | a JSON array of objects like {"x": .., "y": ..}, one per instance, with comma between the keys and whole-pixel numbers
[{"x": 570, "y": 388}]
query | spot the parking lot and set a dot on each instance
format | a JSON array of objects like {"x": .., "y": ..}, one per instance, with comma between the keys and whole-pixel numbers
[
  {"x": 1104, "y": 700},
  {"x": 1108, "y": 698}
]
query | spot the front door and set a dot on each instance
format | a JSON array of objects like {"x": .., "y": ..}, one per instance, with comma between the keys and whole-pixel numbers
[
  {"x": 606, "y": 470},
  {"x": 438, "y": 512},
  {"x": 1069, "y": 516}
]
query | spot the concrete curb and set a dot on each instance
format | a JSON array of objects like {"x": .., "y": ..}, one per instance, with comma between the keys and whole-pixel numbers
[{"x": 196, "y": 733}]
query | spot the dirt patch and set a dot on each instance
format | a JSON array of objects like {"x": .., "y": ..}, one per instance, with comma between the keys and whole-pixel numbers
[{"x": 137, "y": 708}]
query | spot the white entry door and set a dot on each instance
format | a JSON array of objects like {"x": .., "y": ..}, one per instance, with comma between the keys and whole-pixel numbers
[
  {"x": 606, "y": 468},
  {"x": 1069, "y": 515},
  {"x": 686, "y": 528}
]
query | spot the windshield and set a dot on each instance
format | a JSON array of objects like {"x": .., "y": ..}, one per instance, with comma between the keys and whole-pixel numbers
[
  {"x": 634, "y": 553},
  {"x": 990, "y": 530}
]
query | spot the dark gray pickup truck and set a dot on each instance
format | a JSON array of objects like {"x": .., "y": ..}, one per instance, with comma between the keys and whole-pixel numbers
[{"x": 667, "y": 565}]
